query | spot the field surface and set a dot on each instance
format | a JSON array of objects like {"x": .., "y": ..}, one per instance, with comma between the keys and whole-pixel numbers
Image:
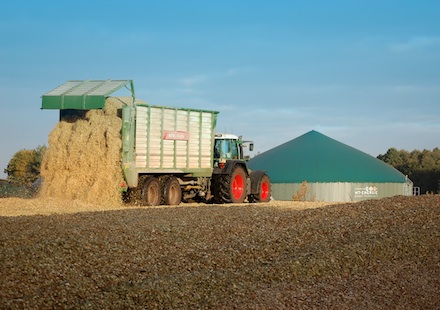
[{"x": 377, "y": 254}]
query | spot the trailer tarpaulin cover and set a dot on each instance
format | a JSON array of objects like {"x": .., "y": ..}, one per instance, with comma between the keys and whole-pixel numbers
[{"x": 83, "y": 95}]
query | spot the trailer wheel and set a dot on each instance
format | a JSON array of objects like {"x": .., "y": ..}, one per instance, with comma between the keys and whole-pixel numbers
[
  {"x": 231, "y": 188},
  {"x": 151, "y": 193},
  {"x": 132, "y": 196},
  {"x": 263, "y": 194},
  {"x": 172, "y": 193}
]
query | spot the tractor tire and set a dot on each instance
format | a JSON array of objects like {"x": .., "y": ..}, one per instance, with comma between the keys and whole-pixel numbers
[
  {"x": 151, "y": 193},
  {"x": 231, "y": 188},
  {"x": 172, "y": 193},
  {"x": 264, "y": 188}
]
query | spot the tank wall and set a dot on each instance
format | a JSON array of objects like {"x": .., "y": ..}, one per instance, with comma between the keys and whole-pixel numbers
[{"x": 342, "y": 192}]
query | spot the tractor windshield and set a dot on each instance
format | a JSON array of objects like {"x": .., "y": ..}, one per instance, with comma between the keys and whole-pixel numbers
[{"x": 226, "y": 148}]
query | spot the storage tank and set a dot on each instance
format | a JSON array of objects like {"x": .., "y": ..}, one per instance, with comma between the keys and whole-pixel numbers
[{"x": 333, "y": 171}]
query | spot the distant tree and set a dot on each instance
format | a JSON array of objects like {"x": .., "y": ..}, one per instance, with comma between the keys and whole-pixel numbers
[
  {"x": 39, "y": 154},
  {"x": 398, "y": 159},
  {"x": 422, "y": 167},
  {"x": 24, "y": 166}
]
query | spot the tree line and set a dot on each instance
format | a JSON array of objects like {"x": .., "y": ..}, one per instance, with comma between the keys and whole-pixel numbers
[{"x": 421, "y": 167}]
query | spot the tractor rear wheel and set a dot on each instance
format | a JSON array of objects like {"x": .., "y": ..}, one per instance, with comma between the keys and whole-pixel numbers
[
  {"x": 172, "y": 193},
  {"x": 151, "y": 193},
  {"x": 231, "y": 188}
]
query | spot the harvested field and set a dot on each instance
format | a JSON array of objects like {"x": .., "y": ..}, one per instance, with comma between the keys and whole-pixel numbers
[{"x": 377, "y": 254}]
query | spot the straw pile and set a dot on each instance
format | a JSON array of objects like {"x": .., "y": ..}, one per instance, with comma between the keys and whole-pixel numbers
[
  {"x": 83, "y": 160},
  {"x": 377, "y": 254}
]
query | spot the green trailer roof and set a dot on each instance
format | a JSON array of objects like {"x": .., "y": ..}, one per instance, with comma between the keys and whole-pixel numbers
[
  {"x": 314, "y": 157},
  {"x": 84, "y": 94}
]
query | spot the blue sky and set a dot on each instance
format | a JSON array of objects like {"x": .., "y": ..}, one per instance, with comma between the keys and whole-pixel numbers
[{"x": 363, "y": 72}]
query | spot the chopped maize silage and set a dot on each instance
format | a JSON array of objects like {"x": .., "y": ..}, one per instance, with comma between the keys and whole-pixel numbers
[{"x": 83, "y": 160}]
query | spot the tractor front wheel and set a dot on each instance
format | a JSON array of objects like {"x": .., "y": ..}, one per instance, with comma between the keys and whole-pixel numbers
[{"x": 263, "y": 190}]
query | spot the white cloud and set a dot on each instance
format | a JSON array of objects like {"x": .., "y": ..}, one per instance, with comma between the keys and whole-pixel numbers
[
  {"x": 197, "y": 79},
  {"x": 194, "y": 80},
  {"x": 238, "y": 71},
  {"x": 415, "y": 88},
  {"x": 412, "y": 43}
]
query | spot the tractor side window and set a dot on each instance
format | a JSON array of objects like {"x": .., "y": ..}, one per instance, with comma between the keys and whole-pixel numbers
[
  {"x": 234, "y": 149},
  {"x": 225, "y": 149},
  {"x": 217, "y": 148}
]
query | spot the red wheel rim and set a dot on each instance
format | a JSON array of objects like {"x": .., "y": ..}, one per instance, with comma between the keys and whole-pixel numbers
[
  {"x": 237, "y": 186},
  {"x": 264, "y": 191}
]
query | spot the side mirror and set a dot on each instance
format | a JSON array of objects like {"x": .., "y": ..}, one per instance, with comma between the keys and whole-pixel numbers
[{"x": 251, "y": 147}]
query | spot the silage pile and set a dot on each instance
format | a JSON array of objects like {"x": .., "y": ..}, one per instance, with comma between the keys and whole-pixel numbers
[{"x": 83, "y": 160}]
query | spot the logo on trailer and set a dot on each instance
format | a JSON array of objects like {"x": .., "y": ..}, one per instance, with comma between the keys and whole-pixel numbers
[{"x": 175, "y": 135}]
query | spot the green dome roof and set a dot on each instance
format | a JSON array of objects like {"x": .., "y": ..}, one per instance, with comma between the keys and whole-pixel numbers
[{"x": 314, "y": 157}]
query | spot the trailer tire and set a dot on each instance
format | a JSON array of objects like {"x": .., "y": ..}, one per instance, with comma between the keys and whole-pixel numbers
[
  {"x": 263, "y": 190},
  {"x": 231, "y": 188},
  {"x": 132, "y": 196},
  {"x": 151, "y": 193},
  {"x": 172, "y": 193}
]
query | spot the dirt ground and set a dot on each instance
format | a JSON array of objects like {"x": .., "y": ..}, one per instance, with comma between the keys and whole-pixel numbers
[
  {"x": 49, "y": 205},
  {"x": 376, "y": 254}
]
